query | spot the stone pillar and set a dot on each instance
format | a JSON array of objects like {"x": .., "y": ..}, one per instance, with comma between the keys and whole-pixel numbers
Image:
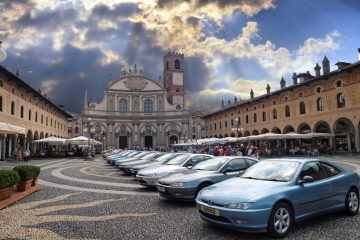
[
  {"x": 10, "y": 146},
  {"x": 349, "y": 143},
  {"x": 357, "y": 138},
  {"x": 1, "y": 147}
]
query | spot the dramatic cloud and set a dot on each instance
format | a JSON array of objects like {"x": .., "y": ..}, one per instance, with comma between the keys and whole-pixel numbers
[{"x": 70, "y": 46}]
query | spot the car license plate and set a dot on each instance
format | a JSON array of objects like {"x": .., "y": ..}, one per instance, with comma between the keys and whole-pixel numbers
[
  {"x": 209, "y": 210},
  {"x": 161, "y": 189}
]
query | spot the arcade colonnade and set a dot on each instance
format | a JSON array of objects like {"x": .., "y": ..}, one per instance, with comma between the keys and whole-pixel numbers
[{"x": 346, "y": 132}]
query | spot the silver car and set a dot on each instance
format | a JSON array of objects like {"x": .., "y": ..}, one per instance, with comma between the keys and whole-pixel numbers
[
  {"x": 186, "y": 184},
  {"x": 127, "y": 165},
  {"x": 149, "y": 176},
  {"x": 161, "y": 160}
]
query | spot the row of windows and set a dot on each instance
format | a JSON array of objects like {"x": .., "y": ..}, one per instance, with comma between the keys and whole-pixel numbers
[
  {"x": 148, "y": 105},
  {"x": 302, "y": 110},
  {"x": 22, "y": 97},
  {"x": 12, "y": 111}
]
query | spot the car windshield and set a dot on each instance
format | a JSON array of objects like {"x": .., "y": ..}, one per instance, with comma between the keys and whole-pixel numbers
[
  {"x": 133, "y": 154},
  {"x": 165, "y": 157},
  {"x": 140, "y": 154},
  {"x": 212, "y": 164},
  {"x": 125, "y": 153},
  {"x": 178, "y": 160},
  {"x": 148, "y": 156},
  {"x": 272, "y": 170}
]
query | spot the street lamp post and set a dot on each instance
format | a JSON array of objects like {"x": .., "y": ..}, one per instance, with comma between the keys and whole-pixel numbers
[{"x": 88, "y": 148}]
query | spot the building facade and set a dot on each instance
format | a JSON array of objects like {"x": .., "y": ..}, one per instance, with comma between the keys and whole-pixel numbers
[
  {"x": 138, "y": 112},
  {"x": 324, "y": 103},
  {"x": 23, "y": 106}
]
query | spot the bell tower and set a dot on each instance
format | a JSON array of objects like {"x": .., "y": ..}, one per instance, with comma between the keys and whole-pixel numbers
[{"x": 174, "y": 78}]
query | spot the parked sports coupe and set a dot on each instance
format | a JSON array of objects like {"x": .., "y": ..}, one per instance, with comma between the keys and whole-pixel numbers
[
  {"x": 125, "y": 166},
  {"x": 161, "y": 160},
  {"x": 149, "y": 176},
  {"x": 186, "y": 184},
  {"x": 274, "y": 194}
]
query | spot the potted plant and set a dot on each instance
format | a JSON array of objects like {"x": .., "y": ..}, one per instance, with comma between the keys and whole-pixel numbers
[
  {"x": 27, "y": 173},
  {"x": 8, "y": 178},
  {"x": 36, "y": 178}
]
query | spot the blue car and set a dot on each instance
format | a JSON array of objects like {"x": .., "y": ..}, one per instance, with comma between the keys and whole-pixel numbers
[{"x": 274, "y": 194}]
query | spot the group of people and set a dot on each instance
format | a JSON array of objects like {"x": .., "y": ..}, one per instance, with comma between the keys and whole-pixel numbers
[
  {"x": 21, "y": 154},
  {"x": 229, "y": 150}
]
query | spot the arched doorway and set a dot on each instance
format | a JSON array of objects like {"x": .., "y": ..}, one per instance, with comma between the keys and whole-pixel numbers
[
  {"x": 304, "y": 128},
  {"x": 246, "y": 133},
  {"x": 264, "y": 130},
  {"x": 173, "y": 139},
  {"x": 324, "y": 144},
  {"x": 344, "y": 135},
  {"x": 123, "y": 142},
  {"x": 226, "y": 135},
  {"x": 220, "y": 136},
  {"x": 276, "y": 130},
  {"x": 255, "y": 132},
  {"x": 148, "y": 141},
  {"x": 232, "y": 134},
  {"x": 289, "y": 129}
]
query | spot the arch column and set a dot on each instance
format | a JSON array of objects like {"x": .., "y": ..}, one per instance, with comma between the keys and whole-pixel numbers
[{"x": 357, "y": 138}]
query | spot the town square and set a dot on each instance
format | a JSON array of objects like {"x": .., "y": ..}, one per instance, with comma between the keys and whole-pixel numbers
[{"x": 188, "y": 119}]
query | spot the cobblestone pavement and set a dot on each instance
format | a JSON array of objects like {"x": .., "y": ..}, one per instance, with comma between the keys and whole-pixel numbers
[{"x": 92, "y": 200}]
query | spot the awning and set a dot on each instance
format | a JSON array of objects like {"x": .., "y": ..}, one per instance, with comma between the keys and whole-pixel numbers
[
  {"x": 81, "y": 140},
  {"x": 51, "y": 140},
  {"x": 6, "y": 128}
]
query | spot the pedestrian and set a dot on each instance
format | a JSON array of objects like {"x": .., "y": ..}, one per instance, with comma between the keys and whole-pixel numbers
[
  {"x": 216, "y": 151},
  {"x": 255, "y": 153}
]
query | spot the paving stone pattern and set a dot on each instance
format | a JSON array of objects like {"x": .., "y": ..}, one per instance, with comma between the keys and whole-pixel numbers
[{"x": 92, "y": 200}]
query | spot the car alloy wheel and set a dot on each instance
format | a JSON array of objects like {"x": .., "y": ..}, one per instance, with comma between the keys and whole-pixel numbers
[
  {"x": 280, "y": 220},
  {"x": 352, "y": 202}
]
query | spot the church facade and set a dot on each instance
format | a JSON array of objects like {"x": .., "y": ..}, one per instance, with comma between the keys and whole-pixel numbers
[{"x": 138, "y": 112}]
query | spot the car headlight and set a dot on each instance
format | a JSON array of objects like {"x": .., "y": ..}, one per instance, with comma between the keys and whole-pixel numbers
[
  {"x": 177, "y": 184},
  {"x": 243, "y": 205}
]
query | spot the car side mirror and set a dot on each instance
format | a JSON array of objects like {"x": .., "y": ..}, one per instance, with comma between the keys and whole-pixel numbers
[
  {"x": 241, "y": 172},
  {"x": 306, "y": 179},
  {"x": 226, "y": 170},
  {"x": 189, "y": 166}
]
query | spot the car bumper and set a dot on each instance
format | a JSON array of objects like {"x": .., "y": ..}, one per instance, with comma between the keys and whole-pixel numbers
[
  {"x": 126, "y": 170},
  {"x": 250, "y": 220},
  {"x": 147, "y": 181},
  {"x": 177, "y": 193}
]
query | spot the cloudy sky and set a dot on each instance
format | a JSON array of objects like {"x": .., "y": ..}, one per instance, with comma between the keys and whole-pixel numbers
[{"x": 64, "y": 47}]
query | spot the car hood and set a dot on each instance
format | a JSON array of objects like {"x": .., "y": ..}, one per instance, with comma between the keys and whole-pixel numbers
[
  {"x": 160, "y": 170},
  {"x": 237, "y": 190},
  {"x": 186, "y": 175},
  {"x": 132, "y": 162},
  {"x": 147, "y": 164}
]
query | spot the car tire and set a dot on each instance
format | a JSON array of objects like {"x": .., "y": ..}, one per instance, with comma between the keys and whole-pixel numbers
[
  {"x": 352, "y": 202},
  {"x": 201, "y": 187},
  {"x": 281, "y": 220}
]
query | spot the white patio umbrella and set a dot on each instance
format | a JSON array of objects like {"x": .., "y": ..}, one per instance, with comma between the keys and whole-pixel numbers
[
  {"x": 51, "y": 140},
  {"x": 6, "y": 128},
  {"x": 81, "y": 140}
]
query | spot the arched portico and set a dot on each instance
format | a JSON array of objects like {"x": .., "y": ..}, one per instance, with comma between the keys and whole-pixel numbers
[{"x": 344, "y": 135}]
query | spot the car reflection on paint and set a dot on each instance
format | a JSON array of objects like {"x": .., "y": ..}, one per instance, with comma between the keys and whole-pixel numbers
[
  {"x": 149, "y": 176},
  {"x": 186, "y": 184},
  {"x": 274, "y": 194}
]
